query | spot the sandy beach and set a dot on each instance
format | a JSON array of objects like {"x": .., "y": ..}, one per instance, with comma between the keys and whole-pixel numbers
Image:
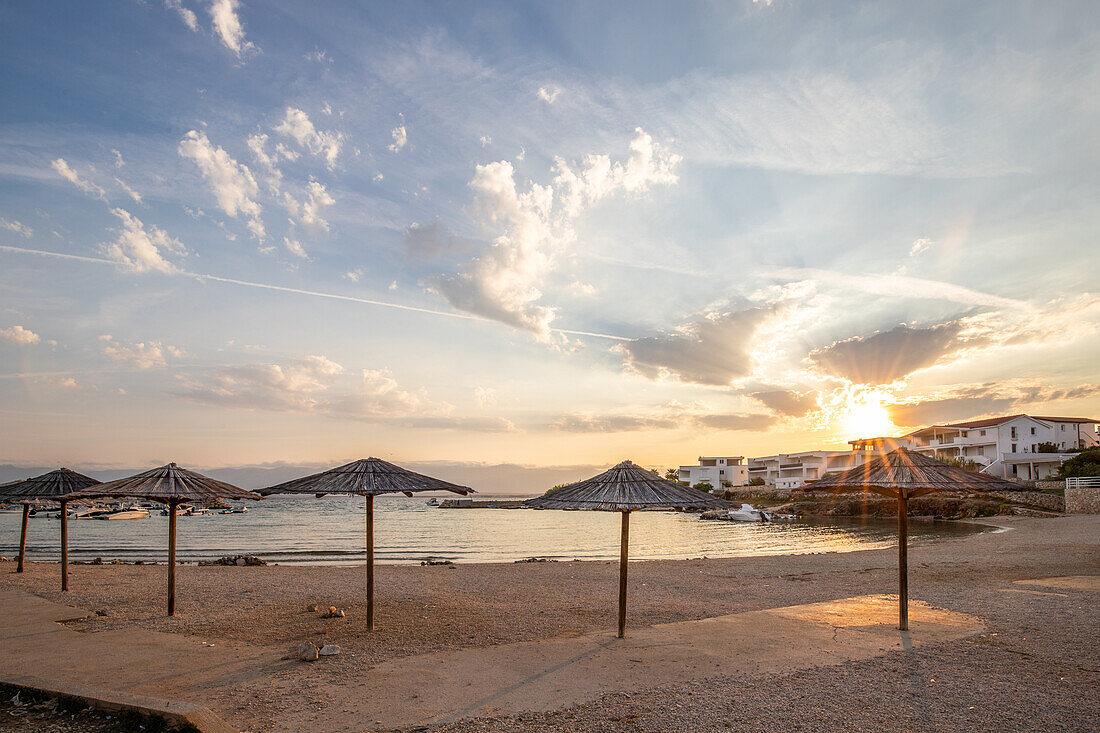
[{"x": 1033, "y": 666}]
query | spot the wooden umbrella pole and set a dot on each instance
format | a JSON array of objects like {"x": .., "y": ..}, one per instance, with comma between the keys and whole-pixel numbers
[
  {"x": 64, "y": 547},
  {"x": 370, "y": 562},
  {"x": 23, "y": 537},
  {"x": 623, "y": 561},
  {"x": 171, "y": 558},
  {"x": 903, "y": 563}
]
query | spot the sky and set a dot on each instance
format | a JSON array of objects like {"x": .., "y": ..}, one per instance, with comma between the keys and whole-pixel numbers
[{"x": 539, "y": 234}]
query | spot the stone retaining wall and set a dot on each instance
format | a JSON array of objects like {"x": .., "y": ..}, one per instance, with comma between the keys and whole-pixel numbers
[
  {"x": 1083, "y": 501},
  {"x": 1050, "y": 485},
  {"x": 1051, "y": 502}
]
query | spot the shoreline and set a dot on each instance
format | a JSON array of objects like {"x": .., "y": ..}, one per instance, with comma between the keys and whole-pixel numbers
[{"x": 682, "y": 539}]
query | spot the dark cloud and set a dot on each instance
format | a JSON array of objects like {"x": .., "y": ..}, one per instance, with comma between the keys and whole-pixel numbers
[
  {"x": 614, "y": 423},
  {"x": 737, "y": 421},
  {"x": 983, "y": 400},
  {"x": 713, "y": 350},
  {"x": 429, "y": 241},
  {"x": 630, "y": 423},
  {"x": 889, "y": 355},
  {"x": 786, "y": 402}
]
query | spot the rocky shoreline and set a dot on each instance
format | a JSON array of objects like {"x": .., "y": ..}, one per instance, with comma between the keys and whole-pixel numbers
[{"x": 937, "y": 506}]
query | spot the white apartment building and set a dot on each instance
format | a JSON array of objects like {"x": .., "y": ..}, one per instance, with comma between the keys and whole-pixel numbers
[
  {"x": 716, "y": 469},
  {"x": 791, "y": 470},
  {"x": 1007, "y": 447}
]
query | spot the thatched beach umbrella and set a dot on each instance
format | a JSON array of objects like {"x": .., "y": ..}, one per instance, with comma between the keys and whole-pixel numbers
[
  {"x": 53, "y": 487},
  {"x": 366, "y": 477},
  {"x": 173, "y": 486},
  {"x": 624, "y": 488},
  {"x": 903, "y": 474}
]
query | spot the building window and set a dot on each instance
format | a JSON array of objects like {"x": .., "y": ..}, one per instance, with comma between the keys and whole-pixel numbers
[
  {"x": 1063, "y": 428},
  {"x": 1014, "y": 433},
  {"x": 1033, "y": 431},
  {"x": 982, "y": 433},
  {"x": 1013, "y": 447}
]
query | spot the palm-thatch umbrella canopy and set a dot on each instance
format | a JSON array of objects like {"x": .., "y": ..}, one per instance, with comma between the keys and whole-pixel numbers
[
  {"x": 903, "y": 474},
  {"x": 366, "y": 477},
  {"x": 624, "y": 488},
  {"x": 54, "y": 486},
  {"x": 173, "y": 486}
]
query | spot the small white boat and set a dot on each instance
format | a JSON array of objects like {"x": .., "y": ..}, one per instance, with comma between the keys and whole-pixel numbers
[
  {"x": 747, "y": 513},
  {"x": 133, "y": 512},
  {"x": 234, "y": 510},
  {"x": 89, "y": 512},
  {"x": 433, "y": 502}
]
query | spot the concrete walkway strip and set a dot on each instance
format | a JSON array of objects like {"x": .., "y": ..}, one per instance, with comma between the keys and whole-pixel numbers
[
  {"x": 173, "y": 711},
  {"x": 1067, "y": 582},
  {"x": 551, "y": 674},
  {"x": 448, "y": 685}
]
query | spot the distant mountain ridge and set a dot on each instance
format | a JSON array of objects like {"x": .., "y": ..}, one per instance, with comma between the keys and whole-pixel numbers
[{"x": 501, "y": 479}]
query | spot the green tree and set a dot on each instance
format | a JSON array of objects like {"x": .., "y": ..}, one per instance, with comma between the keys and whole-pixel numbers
[
  {"x": 1047, "y": 448},
  {"x": 1085, "y": 463},
  {"x": 704, "y": 486},
  {"x": 964, "y": 463},
  {"x": 672, "y": 474},
  {"x": 756, "y": 481}
]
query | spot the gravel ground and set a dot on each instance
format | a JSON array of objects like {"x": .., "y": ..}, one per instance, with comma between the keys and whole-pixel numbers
[{"x": 1038, "y": 667}]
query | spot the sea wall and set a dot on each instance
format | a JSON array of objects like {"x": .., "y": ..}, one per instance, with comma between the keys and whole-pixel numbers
[
  {"x": 1083, "y": 501},
  {"x": 1050, "y": 502}
]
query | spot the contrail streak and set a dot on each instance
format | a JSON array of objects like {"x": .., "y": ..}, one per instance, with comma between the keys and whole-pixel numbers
[{"x": 298, "y": 291}]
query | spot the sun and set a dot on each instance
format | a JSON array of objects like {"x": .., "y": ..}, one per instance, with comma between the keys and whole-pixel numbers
[{"x": 867, "y": 418}]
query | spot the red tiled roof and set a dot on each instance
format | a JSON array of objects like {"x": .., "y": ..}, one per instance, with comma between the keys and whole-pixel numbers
[
  {"x": 992, "y": 421},
  {"x": 1066, "y": 419},
  {"x": 988, "y": 422}
]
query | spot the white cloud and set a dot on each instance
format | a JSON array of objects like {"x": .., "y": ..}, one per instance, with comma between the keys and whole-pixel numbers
[
  {"x": 297, "y": 125},
  {"x": 139, "y": 249},
  {"x": 897, "y": 286},
  {"x": 15, "y": 226},
  {"x": 295, "y": 248},
  {"x": 393, "y": 285},
  {"x": 186, "y": 15},
  {"x": 380, "y": 396},
  {"x": 296, "y": 386},
  {"x": 315, "y": 385},
  {"x": 319, "y": 56},
  {"x": 534, "y": 225},
  {"x": 84, "y": 185},
  {"x": 548, "y": 94},
  {"x": 485, "y": 396},
  {"x": 233, "y": 183},
  {"x": 227, "y": 26},
  {"x": 648, "y": 164},
  {"x": 354, "y": 275},
  {"x": 502, "y": 283},
  {"x": 142, "y": 355},
  {"x": 486, "y": 140},
  {"x": 119, "y": 162},
  {"x": 310, "y": 212},
  {"x": 19, "y": 335},
  {"x": 129, "y": 191},
  {"x": 400, "y": 138},
  {"x": 269, "y": 163},
  {"x": 378, "y": 178},
  {"x": 920, "y": 246}
]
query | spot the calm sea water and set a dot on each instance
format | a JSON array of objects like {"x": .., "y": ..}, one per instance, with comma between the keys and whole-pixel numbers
[{"x": 330, "y": 530}]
